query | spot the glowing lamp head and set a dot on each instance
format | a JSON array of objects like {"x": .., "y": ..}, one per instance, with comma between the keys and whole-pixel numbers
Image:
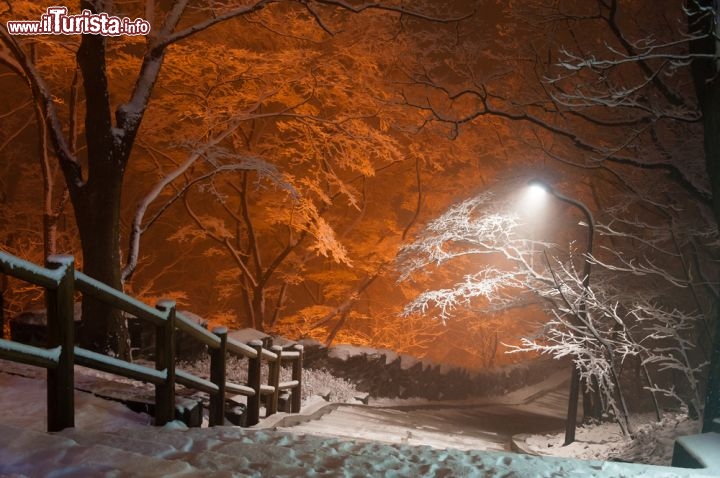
[
  {"x": 536, "y": 190},
  {"x": 534, "y": 196}
]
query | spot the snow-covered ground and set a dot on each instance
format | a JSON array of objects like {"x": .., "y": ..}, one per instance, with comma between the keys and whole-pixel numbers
[
  {"x": 109, "y": 440},
  {"x": 653, "y": 442},
  {"x": 23, "y": 405},
  {"x": 469, "y": 424}
]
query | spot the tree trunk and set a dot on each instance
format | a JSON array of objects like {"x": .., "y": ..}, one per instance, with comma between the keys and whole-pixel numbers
[
  {"x": 258, "y": 305},
  {"x": 592, "y": 404},
  {"x": 711, "y": 123},
  {"x": 712, "y": 393},
  {"x": 707, "y": 88},
  {"x": 97, "y": 210},
  {"x": 571, "y": 419},
  {"x": 96, "y": 200}
]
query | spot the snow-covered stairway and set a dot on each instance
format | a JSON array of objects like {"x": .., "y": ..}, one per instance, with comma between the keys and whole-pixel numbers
[{"x": 233, "y": 451}]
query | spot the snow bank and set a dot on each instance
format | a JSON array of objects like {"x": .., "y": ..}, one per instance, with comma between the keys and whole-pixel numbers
[{"x": 653, "y": 443}]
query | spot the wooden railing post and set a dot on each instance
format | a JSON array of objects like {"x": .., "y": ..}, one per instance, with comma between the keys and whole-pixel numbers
[
  {"x": 296, "y": 393},
  {"x": 165, "y": 360},
  {"x": 61, "y": 333},
  {"x": 217, "y": 376},
  {"x": 254, "y": 369},
  {"x": 274, "y": 381}
]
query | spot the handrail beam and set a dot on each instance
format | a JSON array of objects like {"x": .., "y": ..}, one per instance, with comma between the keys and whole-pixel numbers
[
  {"x": 189, "y": 380},
  {"x": 269, "y": 356},
  {"x": 29, "y": 271},
  {"x": 239, "y": 389},
  {"x": 288, "y": 385},
  {"x": 95, "y": 288},
  {"x": 266, "y": 390},
  {"x": 29, "y": 355},
  {"x": 195, "y": 331},
  {"x": 88, "y": 358},
  {"x": 289, "y": 355},
  {"x": 240, "y": 348}
]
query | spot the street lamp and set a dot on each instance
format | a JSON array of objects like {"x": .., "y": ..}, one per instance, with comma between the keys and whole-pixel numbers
[{"x": 537, "y": 188}]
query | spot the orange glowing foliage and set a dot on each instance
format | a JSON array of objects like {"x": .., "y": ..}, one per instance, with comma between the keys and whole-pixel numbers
[{"x": 304, "y": 161}]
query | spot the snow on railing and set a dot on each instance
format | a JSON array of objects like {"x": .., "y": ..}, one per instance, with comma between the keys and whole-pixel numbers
[
  {"x": 60, "y": 281},
  {"x": 196, "y": 331},
  {"x": 28, "y": 354},
  {"x": 94, "y": 360},
  {"x": 29, "y": 272},
  {"x": 101, "y": 291}
]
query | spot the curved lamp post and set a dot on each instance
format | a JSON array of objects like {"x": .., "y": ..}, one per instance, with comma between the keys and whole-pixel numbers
[{"x": 539, "y": 187}]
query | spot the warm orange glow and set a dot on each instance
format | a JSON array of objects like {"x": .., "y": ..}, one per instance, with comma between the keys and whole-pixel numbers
[{"x": 339, "y": 152}]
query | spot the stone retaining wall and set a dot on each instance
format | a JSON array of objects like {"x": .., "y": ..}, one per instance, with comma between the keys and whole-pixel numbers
[{"x": 380, "y": 377}]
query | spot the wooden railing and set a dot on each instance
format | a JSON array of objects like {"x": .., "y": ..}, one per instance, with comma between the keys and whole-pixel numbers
[{"x": 60, "y": 281}]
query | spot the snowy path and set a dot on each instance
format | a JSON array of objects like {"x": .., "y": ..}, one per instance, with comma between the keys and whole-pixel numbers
[
  {"x": 482, "y": 425},
  {"x": 486, "y": 428},
  {"x": 111, "y": 441}
]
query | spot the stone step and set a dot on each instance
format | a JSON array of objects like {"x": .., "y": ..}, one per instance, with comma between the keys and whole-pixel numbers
[
  {"x": 218, "y": 450},
  {"x": 215, "y": 439},
  {"x": 20, "y": 447},
  {"x": 102, "y": 457},
  {"x": 120, "y": 441},
  {"x": 22, "y": 451}
]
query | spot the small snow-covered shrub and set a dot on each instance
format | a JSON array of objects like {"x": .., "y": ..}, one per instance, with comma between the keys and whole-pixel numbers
[
  {"x": 236, "y": 369},
  {"x": 653, "y": 442},
  {"x": 334, "y": 389}
]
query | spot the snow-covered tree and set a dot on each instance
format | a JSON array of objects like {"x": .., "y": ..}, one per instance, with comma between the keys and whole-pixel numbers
[
  {"x": 645, "y": 303},
  {"x": 115, "y": 106},
  {"x": 646, "y": 70},
  {"x": 609, "y": 90}
]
